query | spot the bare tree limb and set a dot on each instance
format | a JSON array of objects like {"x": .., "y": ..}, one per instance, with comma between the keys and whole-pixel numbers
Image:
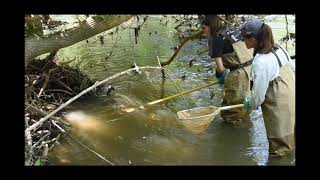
[
  {"x": 46, "y": 82},
  {"x": 64, "y": 85},
  {"x": 185, "y": 40},
  {"x": 287, "y": 31},
  {"x": 44, "y": 113},
  {"x": 59, "y": 90},
  {"x": 94, "y": 152},
  {"x": 45, "y": 150},
  {"x": 28, "y": 160},
  {"x": 180, "y": 46},
  {"x": 51, "y": 55},
  {"x": 40, "y": 140},
  {"x": 33, "y": 126},
  {"x": 35, "y": 47}
]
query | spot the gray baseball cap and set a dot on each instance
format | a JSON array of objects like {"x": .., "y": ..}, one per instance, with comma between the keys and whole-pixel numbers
[{"x": 250, "y": 28}]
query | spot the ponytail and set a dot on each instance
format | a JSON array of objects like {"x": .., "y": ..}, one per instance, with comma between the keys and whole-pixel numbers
[{"x": 264, "y": 39}]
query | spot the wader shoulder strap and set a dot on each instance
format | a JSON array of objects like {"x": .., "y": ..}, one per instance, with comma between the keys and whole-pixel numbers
[
  {"x": 284, "y": 52},
  {"x": 279, "y": 62},
  {"x": 232, "y": 68}
]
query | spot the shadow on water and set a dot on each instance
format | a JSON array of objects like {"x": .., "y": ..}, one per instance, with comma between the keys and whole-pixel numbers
[{"x": 154, "y": 135}]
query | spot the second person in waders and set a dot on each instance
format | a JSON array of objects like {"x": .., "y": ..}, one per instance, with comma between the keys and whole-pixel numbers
[{"x": 237, "y": 84}]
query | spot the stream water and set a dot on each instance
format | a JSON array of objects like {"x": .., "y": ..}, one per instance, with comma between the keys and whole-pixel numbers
[{"x": 154, "y": 135}]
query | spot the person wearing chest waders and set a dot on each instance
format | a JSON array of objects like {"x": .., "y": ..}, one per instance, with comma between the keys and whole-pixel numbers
[
  {"x": 231, "y": 71},
  {"x": 273, "y": 87}
]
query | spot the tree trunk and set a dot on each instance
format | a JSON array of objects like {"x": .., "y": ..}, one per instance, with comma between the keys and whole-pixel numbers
[
  {"x": 35, "y": 47},
  {"x": 287, "y": 31}
]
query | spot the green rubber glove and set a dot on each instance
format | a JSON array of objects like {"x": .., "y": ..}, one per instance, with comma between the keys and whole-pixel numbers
[
  {"x": 246, "y": 103},
  {"x": 221, "y": 76}
]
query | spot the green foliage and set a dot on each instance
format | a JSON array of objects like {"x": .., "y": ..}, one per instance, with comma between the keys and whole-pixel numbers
[{"x": 37, "y": 163}]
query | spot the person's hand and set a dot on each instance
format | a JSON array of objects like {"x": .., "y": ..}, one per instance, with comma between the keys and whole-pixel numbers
[
  {"x": 246, "y": 103},
  {"x": 221, "y": 76}
]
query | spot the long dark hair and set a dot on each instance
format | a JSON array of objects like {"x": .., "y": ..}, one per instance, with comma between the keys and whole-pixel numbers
[
  {"x": 214, "y": 23},
  {"x": 264, "y": 39}
]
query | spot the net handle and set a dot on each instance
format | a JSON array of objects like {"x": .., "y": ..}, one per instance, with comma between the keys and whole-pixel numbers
[{"x": 231, "y": 107}]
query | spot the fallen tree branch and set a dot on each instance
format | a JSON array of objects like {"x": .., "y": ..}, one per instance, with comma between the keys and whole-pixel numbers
[
  {"x": 59, "y": 90},
  {"x": 94, "y": 152},
  {"x": 44, "y": 113},
  {"x": 40, "y": 140},
  {"x": 33, "y": 126},
  {"x": 56, "y": 140},
  {"x": 51, "y": 55},
  {"x": 92, "y": 26},
  {"x": 64, "y": 85},
  {"x": 45, "y": 151},
  {"x": 28, "y": 160},
  {"x": 180, "y": 46},
  {"x": 46, "y": 82}
]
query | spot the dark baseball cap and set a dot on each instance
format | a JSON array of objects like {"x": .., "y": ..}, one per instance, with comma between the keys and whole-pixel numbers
[{"x": 250, "y": 28}]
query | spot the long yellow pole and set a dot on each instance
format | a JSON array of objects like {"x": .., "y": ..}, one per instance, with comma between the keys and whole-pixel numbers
[
  {"x": 231, "y": 107},
  {"x": 182, "y": 93}
]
